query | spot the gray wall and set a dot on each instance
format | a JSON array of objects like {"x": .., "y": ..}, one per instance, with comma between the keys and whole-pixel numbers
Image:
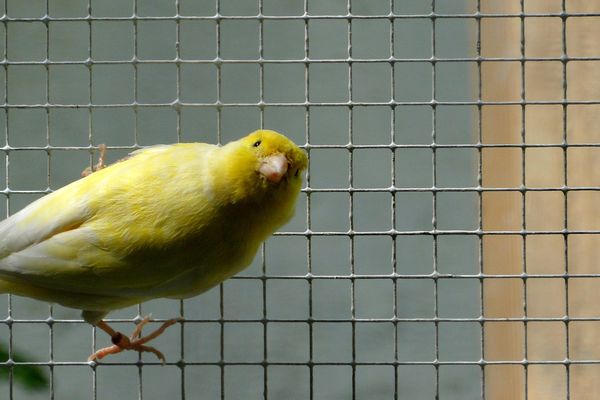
[{"x": 292, "y": 299}]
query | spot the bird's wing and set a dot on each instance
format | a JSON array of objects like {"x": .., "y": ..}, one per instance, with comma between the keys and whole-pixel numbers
[
  {"x": 64, "y": 262},
  {"x": 63, "y": 210},
  {"x": 57, "y": 212},
  {"x": 60, "y": 241}
]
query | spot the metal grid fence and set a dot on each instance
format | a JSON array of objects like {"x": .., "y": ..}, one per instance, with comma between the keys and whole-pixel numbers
[{"x": 357, "y": 297}]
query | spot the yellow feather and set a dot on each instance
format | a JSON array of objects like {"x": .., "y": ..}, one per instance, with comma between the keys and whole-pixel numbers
[{"x": 170, "y": 221}]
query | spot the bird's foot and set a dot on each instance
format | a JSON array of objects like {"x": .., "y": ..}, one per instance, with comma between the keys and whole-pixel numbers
[
  {"x": 99, "y": 165},
  {"x": 134, "y": 342}
]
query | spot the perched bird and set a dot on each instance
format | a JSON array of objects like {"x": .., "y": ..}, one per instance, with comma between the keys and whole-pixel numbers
[{"x": 168, "y": 221}]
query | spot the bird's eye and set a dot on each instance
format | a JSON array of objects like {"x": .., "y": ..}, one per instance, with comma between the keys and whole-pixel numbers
[{"x": 257, "y": 143}]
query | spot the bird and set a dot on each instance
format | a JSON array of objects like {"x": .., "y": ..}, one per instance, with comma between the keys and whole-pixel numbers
[{"x": 168, "y": 221}]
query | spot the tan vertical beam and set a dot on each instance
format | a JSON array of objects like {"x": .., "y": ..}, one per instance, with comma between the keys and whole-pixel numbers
[
  {"x": 544, "y": 210},
  {"x": 583, "y": 78},
  {"x": 501, "y": 167},
  {"x": 545, "y": 254}
]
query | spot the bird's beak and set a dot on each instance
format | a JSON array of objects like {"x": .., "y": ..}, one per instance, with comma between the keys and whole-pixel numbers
[{"x": 274, "y": 167}]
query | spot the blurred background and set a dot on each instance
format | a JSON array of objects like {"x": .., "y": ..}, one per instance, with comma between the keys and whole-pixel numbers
[{"x": 441, "y": 248}]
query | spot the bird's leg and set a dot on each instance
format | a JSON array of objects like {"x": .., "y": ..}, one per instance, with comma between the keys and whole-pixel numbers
[
  {"x": 99, "y": 165},
  {"x": 134, "y": 342}
]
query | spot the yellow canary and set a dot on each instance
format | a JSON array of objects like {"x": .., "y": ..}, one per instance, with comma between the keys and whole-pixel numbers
[{"x": 169, "y": 221}]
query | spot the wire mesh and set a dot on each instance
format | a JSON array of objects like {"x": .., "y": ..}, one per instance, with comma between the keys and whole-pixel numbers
[{"x": 377, "y": 288}]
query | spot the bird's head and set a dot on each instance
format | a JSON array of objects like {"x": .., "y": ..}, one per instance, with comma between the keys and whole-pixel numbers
[
  {"x": 278, "y": 158},
  {"x": 265, "y": 162}
]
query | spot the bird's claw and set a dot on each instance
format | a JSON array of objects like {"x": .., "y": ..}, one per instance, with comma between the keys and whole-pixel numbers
[
  {"x": 99, "y": 165},
  {"x": 135, "y": 341},
  {"x": 117, "y": 348}
]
